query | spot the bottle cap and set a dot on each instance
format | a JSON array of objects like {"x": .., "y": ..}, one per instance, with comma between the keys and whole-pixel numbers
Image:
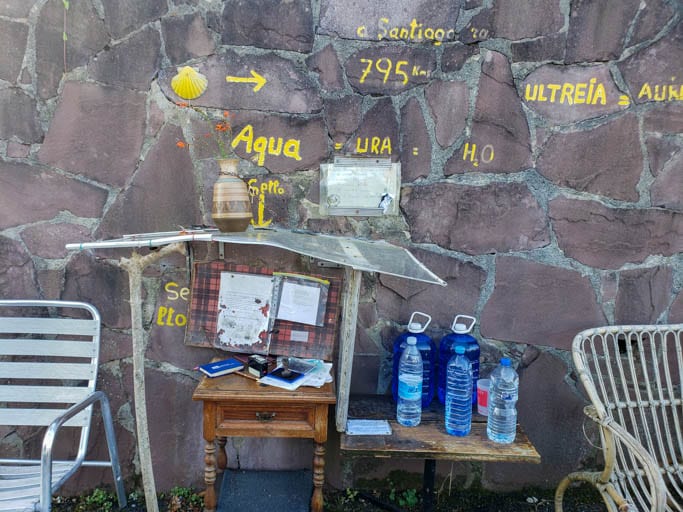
[
  {"x": 412, "y": 340},
  {"x": 414, "y": 327},
  {"x": 505, "y": 361},
  {"x": 460, "y": 329},
  {"x": 459, "y": 349}
]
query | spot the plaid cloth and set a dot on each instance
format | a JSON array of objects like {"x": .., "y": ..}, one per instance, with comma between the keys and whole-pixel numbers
[{"x": 288, "y": 338}]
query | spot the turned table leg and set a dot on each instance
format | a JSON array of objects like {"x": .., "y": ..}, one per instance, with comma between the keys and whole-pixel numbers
[
  {"x": 318, "y": 477},
  {"x": 222, "y": 456},
  {"x": 210, "y": 476}
]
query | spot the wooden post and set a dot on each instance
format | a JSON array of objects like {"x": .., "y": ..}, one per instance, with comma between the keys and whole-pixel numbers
[
  {"x": 134, "y": 266},
  {"x": 347, "y": 340}
]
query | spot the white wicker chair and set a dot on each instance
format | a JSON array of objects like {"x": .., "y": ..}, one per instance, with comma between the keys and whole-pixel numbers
[
  {"x": 48, "y": 370},
  {"x": 633, "y": 376}
]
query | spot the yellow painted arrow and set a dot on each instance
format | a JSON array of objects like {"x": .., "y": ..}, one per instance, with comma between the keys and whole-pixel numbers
[{"x": 256, "y": 79}]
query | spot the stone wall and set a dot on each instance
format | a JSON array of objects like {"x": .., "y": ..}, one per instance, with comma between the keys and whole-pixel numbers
[{"x": 542, "y": 178}]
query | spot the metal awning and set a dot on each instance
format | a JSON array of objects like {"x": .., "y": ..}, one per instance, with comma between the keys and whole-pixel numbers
[{"x": 364, "y": 255}]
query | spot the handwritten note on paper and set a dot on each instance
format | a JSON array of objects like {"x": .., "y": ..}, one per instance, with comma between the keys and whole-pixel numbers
[
  {"x": 244, "y": 302},
  {"x": 299, "y": 303}
]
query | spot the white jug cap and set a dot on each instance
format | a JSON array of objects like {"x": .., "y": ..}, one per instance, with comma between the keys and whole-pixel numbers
[
  {"x": 415, "y": 327},
  {"x": 460, "y": 329}
]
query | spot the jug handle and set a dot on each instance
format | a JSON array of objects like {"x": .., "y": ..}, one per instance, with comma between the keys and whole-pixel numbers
[
  {"x": 423, "y": 315},
  {"x": 455, "y": 321}
]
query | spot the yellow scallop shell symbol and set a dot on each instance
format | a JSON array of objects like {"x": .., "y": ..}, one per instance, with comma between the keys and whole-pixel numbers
[{"x": 189, "y": 83}]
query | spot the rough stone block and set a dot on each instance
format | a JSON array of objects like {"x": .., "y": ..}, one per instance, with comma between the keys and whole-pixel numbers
[
  {"x": 125, "y": 16},
  {"x": 287, "y": 87},
  {"x": 449, "y": 105},
  {"x": 326, "y": 64},
  {"x": 115, "y": 345},
  {"x": 454, "y": 56},
  {"x": 499, "y": 217},
  {"x": 343, "y": 117},
  {"x": 13, "y": 41},
  {"x": 281, "y": 144},
  {"x": 101, "y": 284},
  {"x": 653, "y": 73},
  {"x": 105, "y": 124},
  {"x": 660, "y": 151},
  {"x": 16, "y": 8},
  {"x": 389, "y": 69},
  {"x": 86, "y": 35},
  {"x": 566, "y": 94},
  {"x": 161, "y": 196},
  {"x": 398, "y": 298},
  {"x": 478, "y": 29},
  {"x": 547, "y": 48},
  {"x": 606, "y": 160},
  {"x": 666, "y": 189},
  {"x": 597, "y": 30},
  {"x": 28, "y": 195},
  {"x": 416, "y": 150},
  {"x": 499, "y": 120},
  {"x": 186, "y": 37},
  {"x": 643, "y": 295},
  {"x": 17, "y": 272},
  {"x": 515, "y": 20},
  {"x": 48, "y": 240},
  {"x": 179, "y": 438},
  {"x": 591, "y": 232},
  {"x": 652, "y": 17},
  {"x": 268, "y": 24},
  {"x": 19, "y": 116},
  {"x": 365, "y": 375},
  {"x": 539, "y": 304},
  {"x": 421, "y": 21},
  {"x": 666, "y": 118},
  {"x": 17, "y": 150},
  {"x": 132, "y": 63},
  {"x": 676, "y": 311},
  {"x": 378, "y": 134}
]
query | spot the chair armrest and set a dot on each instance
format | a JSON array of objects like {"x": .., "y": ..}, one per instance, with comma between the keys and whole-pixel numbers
[
  {"x": 51, "y": 434},
  {"x": 648, "y": 464}
]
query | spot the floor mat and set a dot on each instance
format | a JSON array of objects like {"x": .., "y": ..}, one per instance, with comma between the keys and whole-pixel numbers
[{"x": 261, "y": 491}]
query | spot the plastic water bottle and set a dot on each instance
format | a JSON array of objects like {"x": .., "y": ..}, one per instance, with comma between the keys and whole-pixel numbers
[
  {"x": 409, "y": 407},
  {"x": 501, "y": 425},
  {"x": 427, "y": 349},
  {"x": 459, "y": 394},
  {"x": 459, "y": 336}
]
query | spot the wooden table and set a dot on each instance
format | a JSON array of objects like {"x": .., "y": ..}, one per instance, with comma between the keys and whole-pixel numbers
[
  {"x": 235, "y": 405},
  {"x": 429, "y": 441}
]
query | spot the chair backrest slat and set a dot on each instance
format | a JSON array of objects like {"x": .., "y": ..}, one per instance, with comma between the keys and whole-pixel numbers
[
  {"x": 52, "y": 348},
  {"x": 47, "y": 371},
  {"x": 42, "y": 394},
  {"x": 66, "y": 326},
  {"x": 41, "y": 417}
]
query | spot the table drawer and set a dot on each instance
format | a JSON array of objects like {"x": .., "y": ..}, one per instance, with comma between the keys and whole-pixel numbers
[{"x": 266, "y": 419}]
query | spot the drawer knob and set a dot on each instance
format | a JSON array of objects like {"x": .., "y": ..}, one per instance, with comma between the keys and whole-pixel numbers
[{"x": 265, "y": 416}]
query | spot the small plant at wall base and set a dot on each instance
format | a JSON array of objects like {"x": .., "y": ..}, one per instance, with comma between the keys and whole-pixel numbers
[{"x": 178, "y": 499}]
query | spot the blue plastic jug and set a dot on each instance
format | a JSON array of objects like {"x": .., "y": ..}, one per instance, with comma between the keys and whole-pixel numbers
[
  {"x": 427, "y": 349},
  {"x": 459, "y": 336}
]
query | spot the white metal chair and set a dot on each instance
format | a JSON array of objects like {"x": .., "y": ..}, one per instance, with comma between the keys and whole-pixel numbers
[
  {"x": 48, "y": 370},
  {"x": 633, "y": 376}
]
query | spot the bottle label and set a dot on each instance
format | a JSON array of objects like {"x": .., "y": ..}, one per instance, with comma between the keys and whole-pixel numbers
[{"x": 410, "y": 387}]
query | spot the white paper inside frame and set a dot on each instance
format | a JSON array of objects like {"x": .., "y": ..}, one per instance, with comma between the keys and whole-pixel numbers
[{"x": 364, "y": 187}]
